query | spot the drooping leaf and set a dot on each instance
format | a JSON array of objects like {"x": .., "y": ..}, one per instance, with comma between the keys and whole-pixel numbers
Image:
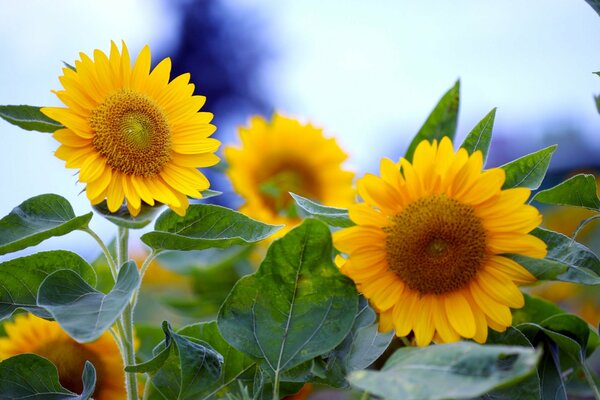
[
  {"x": 182, "y": 368},
  {"x": 481, "y": 136},
  {"x": 22, "y": 277},
  {"x": 441, "y": 122},
  {"x": 332, "y": 216},
  {"x": 81, "y": 310},
  {"x": 528, "y": 171},
  {"x": 578, "y": 191},
  {"x": 455, "y": 370},
  {"x": 28, "y": 376},
  {"x": 29, "y": 118},
  {"x": 363, "y": 345},
  {"x": 296, "y": 307},
  {"x": 567, "y": 260},
  {"x": 205, "y": 226},
  {"x": 236, "y": 365},
  {"x": 37, "y": 219}
]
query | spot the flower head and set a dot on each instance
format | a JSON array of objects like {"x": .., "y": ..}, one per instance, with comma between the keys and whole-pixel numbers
[
  {"x": 285, "y": 156},
  {"x": 30, "y": 334},
  {"x": 427, "y": 249},
  {"x": 131, "y": 133}
]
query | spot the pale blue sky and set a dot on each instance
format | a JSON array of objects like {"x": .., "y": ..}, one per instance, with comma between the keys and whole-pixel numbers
[{"x": 369, "y": 72}]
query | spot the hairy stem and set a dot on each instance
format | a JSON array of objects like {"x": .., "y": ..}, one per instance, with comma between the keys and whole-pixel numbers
[{"x": 109, "y": 258}]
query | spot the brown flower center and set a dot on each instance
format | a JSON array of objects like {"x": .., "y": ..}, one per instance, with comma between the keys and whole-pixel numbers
[
  {"x": 436, "y": 244},
  {"x": 69, "y": 358},
  {"x": 132, "y": 133}
]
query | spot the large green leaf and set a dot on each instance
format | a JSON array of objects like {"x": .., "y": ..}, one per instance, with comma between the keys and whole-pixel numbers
[
  {"x": 28, "y": 376},
  {"x": 22, "y": 277},
  {"x": 236, "y": 365},
  {"x": 447, "y": 371},
  {"x": 205, "y": 226},
  {"x": 441, "y": 122},
  {"x": 81, "y": 310},
  {"x": 363, "y": 345},
  {"x": 182, "y": 369},
  {"x": 296, "y": 307},
  {"x": 29, "y": 118},
  {"x": 37, "y": 219},
  {"x": 330, "y": 215},
  {"x": 578, "y": 191},
  {"x": 528, "y": 171},
  {"x": 567, "y": 260},
  {"x": 481, "y": 136}
]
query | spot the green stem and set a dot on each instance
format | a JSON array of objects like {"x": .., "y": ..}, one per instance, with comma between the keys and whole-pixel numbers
[
  {"x": 143, "y": 269},
  {"x": 125, "y": 324},
  {"x": 365, "y": 396},
  {"x": 109, "y": 258},
  {"x": 590, "y": 379},
  {"x": 276, "y": 386}
]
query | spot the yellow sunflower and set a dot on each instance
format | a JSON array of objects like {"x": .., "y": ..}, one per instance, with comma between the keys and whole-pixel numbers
[
  {"x": 428, "y": 243},
  {"x": 131, "y": 133},
  {"x": 285, "y": 156},
  {"x": 30, "y": 334}
]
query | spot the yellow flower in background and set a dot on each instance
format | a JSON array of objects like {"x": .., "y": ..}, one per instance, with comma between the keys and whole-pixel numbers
[
  {"x": 428, "y": 244},
  {"x": 131, "y": 133},
  {"x": 578, "y": 299},
  {"x": 30, "y": 334},
  {"x": 285, "y": 156}
]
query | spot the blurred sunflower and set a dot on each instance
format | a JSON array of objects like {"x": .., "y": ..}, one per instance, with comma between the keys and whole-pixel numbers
[
  {"x": 428, "y": 244},
  {"x": 30, "y": 334},
  {"x": 285, "y": 156},
  {"x": 132, "y": 134}
]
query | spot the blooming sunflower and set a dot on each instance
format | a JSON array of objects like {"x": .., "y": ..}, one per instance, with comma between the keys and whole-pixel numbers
[
  {"x": 30, "y": 334},
  {"x": 428, "y": 243},
  {"x": 131, "y": 133},
  {"x": 286, "y": 156}
]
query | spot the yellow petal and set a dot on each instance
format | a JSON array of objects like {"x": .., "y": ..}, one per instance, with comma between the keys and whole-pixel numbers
[{"x": 460, "y": 314}]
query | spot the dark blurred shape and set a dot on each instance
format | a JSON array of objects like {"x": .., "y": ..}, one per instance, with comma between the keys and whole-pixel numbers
[{"x": 225, "y": 49}]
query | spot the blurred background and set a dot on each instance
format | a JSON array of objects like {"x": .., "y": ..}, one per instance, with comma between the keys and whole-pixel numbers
[{"x": 369, "y": 73}]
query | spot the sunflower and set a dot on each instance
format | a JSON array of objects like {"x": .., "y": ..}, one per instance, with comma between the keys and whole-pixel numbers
[
  {"x": 30, "y": 334},
  {"x": 131, "y": 133},
  {"x": 285, "y": 156},
  {"x": 427, "y": 249}
]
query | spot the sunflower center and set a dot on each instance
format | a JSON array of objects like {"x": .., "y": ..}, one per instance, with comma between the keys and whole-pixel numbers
[
  {"x": 287, "y": 178},
  {"x": 132, "y": 133},
  {"x": 69, "y": 358},
  {"x": 436, "y": 244}
]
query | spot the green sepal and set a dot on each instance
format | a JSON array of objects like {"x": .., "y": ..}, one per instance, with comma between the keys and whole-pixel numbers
[
  {"x": 480, "y": 136},
  {"x": 579, "y": 191},
  {"x": 528, "y": 171}
]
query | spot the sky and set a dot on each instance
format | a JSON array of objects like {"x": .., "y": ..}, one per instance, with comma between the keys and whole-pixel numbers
[{"x": 369, "y": 73}]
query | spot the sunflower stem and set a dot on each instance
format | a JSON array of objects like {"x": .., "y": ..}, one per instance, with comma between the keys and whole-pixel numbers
[
  {"x": 590, "y": 379},
  {"x": 126, "y": 320},
  {"x": 109, "y": 258},
  {"x": 276, "y": 386},
  {"x": 365, "y": 396}
]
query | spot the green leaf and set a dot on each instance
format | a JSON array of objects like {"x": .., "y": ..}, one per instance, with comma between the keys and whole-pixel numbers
[
  {"x": 123, "y": 218},
  {"x": 37, "y": 219},
  {"x": 22, "y": 277},
  {"x": 363, "y": 345},
  {"x": 182, "y": 368},
  {"x": 481, "y": 136},
  {"x": 332, "y": 216},
  {"x": 595, "y": 4},
  {"x": 297, "y": 306},
  {"x": 455, "y": 370},
  {"x": 205, "y": 226},
  {"x": 535, "y": 310},
  {"x": 28, "y": 376},
  {"x": 527, "y": 389},
  {"x": 81, "y": 310},
  {"x": 578, "y": 191},
  {"x": 567, "y": 260},
  {"x": 236, "y": 365},
  {"x": 29, "y": 118},
  {"x": 597, "y": 101},
  {"x": 441, "y": 122},
  {"x": 528, "y": 171}
]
